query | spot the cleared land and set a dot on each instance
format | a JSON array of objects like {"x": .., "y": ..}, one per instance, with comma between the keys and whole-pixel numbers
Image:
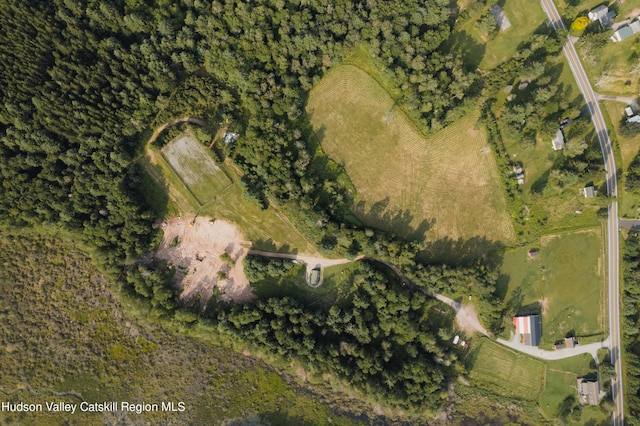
[
  {"x": 197, "y": 170},
  {"x": 444, "y": 186},
  {"x": 565, "y": 284},
  {"x": 169, "y": 194},
  {"x": 507, "y": 372}
]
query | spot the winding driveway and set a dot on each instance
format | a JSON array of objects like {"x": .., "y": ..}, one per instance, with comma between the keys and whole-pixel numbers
[{"x": 534, "y": 351}]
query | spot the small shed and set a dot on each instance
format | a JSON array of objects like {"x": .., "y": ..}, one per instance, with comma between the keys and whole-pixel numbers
[
  {"x": 558, "y": 141},
  {"x": 589, "y": 192},
  {"x": 629, "y": 111},
  {"x": 533, "y": 253},
  {"x": 314, "y": 279},
  {"x": 570, "y": 342}
]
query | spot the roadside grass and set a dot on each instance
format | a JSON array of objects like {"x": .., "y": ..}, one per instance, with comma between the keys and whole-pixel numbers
[
  {"x": 66, "y": 329},
  {"x": 550, "y": 206},
  {"x": 525, "y": 17},
  {"x": 194, "y": 164},
  {"x": 442, "y": 186},
  {"x": 565, "y": 283},
  {"x": 506, "y": 372},
  {"x": 168, "y": 194},
  {"x": 629, "y": 148}
]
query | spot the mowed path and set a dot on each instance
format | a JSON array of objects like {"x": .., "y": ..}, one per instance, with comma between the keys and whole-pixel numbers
[{"x": 446, "y": 184}]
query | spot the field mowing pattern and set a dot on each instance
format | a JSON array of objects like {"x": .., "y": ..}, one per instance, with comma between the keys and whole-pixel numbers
[
  {"x": 197, "y": 170},
  {"x": 446, "y": 184},
  {"x": 507, "y": 372}
]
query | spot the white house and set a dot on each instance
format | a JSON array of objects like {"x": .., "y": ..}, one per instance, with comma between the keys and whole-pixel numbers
[{"x": 598, "y": 12}]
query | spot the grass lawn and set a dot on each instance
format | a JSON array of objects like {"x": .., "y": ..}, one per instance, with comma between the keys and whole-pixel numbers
[
  {"x": 195, "y": 167},
  {"x": 442, "y": 186},
  {"x": 525, "y": 17},
  {"x": 552, "y": 206},
  {"x": 506, "y": 372},
  {"x": 565, "y": 283}
]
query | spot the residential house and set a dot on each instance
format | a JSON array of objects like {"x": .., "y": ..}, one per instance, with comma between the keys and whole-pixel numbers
[
  {"x": 558, "y": 141},
  {"x": 598, "y": 12},
  {"x": 589, "y": 391},
  {"x": 529, "y": 329},
  {"x": 634, "y": 119},
  {"x": 589, "y": 192}
]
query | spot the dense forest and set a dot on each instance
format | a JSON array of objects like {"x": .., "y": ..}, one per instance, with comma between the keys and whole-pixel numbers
[{"x": 631, "y": 325}]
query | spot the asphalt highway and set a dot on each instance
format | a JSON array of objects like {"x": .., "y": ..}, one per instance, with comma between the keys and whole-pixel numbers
[{"x": 612, "y": 226}]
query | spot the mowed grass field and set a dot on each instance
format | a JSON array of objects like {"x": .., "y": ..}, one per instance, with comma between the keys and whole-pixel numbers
[
  {"x": 192, "y": 162},
  {"x": 443, "y": 186},
  {"x": 565, "y": 283},
  {"x": 506, "y": 372}
]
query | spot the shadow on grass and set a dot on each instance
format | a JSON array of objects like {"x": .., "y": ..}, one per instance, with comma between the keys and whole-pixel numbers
[
  {"x": 270, "y": 246},
  {"x": 466, "y": 46},
  {"x": 461, "y": 251},
  {"x": 395, "y": 222}
]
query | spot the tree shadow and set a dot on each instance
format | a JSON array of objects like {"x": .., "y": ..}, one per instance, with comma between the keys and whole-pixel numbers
[
  {"x": 270, "y": 246},
  {"x": 390, "y": 221},
  {"x": 459, "y": 252},
  {"x": 466, "y": 46}
]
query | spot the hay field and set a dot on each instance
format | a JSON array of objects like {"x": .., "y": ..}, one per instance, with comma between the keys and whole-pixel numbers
[
  {"x": 195, "y": 167},
  {"x": 446, "y": 185},
  {"x": 507, "y": 372}
]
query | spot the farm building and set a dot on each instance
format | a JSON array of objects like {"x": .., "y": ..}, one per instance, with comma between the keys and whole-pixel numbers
[
  {"x": 589, "y": 391},
  {"x": 626, "y": 31},
  {"x": 558, "y": 141},
  {"x": 529, "y": 329},
  {"x": 589, "y": 192}
]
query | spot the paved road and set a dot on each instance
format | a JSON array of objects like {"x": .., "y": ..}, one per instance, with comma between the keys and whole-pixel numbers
[
  {"x": 591, "y": 349},
  {"x": 612, "y": 227}
]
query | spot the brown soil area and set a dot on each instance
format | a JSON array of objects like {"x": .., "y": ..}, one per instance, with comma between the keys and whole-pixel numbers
[{"x": 194, "y": 247}]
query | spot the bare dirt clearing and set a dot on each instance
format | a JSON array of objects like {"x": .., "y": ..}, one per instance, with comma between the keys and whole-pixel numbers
[{"x": 195, "y": 247}]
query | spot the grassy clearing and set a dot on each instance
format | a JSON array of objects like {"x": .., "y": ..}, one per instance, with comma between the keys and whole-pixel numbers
[
  {"x": 62, "y": 329},
  {"x": 193, "y": 163},
  {"x": 166, "y": 191},
  {"x": 565, "y": 283},
  {"x": 525, "y": 17},
  {"x": 444, "y": 186},
  {"x": 506, "y": 372},
  {"x": 335, "y": 289}
]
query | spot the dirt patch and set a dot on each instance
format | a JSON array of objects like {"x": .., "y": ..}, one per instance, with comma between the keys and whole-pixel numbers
[
  {"x": 468, "y": 321},
  {"x": 197, "y": 247},
  {"x": 544, "y": 304}
]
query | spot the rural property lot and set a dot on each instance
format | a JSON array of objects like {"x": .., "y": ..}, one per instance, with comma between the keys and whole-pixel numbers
[
  {"x": 445, "y": 185},
  {"x": 197, "y": 170},
  {"x": 565, "y": 283},
  {"x": 507, "y": 372}
]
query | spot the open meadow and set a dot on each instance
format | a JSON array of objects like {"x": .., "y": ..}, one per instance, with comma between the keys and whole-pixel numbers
[
  {"x": 442, "y": 186},
  {"x": 565, "y": 283}
]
